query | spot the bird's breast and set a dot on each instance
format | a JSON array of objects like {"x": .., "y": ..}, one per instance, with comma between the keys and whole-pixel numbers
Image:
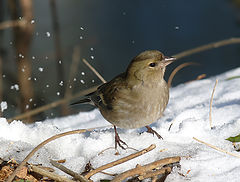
[{"x": 137, "y": 107}]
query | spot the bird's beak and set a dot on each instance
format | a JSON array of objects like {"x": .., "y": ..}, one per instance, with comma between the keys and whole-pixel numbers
[{"x": 168, "y": 60}]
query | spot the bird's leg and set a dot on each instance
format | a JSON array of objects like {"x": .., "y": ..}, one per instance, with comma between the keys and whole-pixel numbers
[
  {"x": 150, "y": 130},
  {"x": 118, "y": 141}
]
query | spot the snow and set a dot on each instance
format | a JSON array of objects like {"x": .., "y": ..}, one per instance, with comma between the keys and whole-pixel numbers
[
  {"x": 3, "y": 105},
  {"x": 188, "y": 110}
]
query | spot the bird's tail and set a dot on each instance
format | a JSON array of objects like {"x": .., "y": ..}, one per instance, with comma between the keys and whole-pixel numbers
[{"x": 82, "y": 101}]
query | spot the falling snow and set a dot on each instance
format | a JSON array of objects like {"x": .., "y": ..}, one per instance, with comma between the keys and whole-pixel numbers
[
  {"x": 40, "y": 69},
  {"x": 15, "y": 86},
  {"x": 48, "y": 34}
]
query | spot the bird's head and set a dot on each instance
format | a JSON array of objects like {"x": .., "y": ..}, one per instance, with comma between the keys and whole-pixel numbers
[{"x": 149, "y": 66}]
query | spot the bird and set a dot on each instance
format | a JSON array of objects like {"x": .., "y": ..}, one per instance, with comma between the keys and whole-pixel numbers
[{"x": 135, "y": 98}]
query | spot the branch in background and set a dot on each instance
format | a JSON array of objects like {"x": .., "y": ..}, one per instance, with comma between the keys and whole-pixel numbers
[
  {"x": 178, "y": 68},
  {"x": 12, "y": 176},
  {"x": 73, "y": 71},
  {"x": 234, "y": 40},
  {"x": 143, "y": 170},
  {"x": 120, "y": 161},
  {"x": 52, "y": 105},
  {"x": 12, "y": 24},
  {"x": 72, "y": 74},
  {"x": 216, "y": 148},
  {"x": 57, "y": 42},
  {"x": 211, "y": 101},
  {"x": 22, "y": 42},
  {"x": 69, "y": 172},
  {"x": 94, "y": 71}
]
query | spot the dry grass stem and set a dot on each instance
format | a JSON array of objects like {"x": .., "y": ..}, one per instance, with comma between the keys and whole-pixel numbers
[
  {"x": 50, "y": 175},
  {"x": 216, "y": 148},
  {"x": 120, "y": 161},
  {"x": 142, "y": 170},
  {"x": 11, "y": 177},
  {"x": 211, "y": 101},
  {"x": 52, "y": 105},
  {"x": 234, "y": 40},
  {"x": 178, "y": 68},
  {"x": 69, "y": 172},
  {"x": 94, "y": 71}
]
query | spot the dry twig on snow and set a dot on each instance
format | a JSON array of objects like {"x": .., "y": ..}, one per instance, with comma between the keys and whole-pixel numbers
[
  {"x": 143, "y": 170},
  {"x": 69, "y": 172},
  {"x": 50, "y": 175},
  {"x": 120, "y": 161},
  {"x": 11, "y": 177},
  {"x": 216, "y": 148}
]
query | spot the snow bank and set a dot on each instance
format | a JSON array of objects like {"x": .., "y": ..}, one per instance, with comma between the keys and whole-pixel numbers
[{"x": 188, "y": 109}]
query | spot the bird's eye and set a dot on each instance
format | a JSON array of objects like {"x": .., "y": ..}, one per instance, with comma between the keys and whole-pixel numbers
[{"x": 152, "y": 64}]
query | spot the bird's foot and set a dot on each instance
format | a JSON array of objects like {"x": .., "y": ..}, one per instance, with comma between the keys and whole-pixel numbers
[
  {"x": 118, "y": 141},
  {"x": 150, "y": 130}
]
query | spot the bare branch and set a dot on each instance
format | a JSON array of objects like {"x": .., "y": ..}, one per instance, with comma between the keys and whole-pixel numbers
[
  {"x": 142, "y": 170},
  {"x": 151, "y": 174},
  {"x": 234, "y": 40},
  {"x": 120, "y": 161},
  {"x": 94, "y": 71},
  {"x": 50, "y": 175},
  {"x": 69, "y": 172}
]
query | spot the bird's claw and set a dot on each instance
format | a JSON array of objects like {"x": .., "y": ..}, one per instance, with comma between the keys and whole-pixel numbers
[{"x": 150, "y": 130}]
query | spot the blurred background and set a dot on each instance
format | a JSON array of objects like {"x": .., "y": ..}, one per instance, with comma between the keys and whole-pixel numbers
[{"x": 42, "y": 44}]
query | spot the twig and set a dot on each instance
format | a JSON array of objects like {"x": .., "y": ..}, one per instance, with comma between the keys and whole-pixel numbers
[
  {"x": 234, "y": 40},
  {"x": 141, "y": 170},
  {"x": 199, "y": 77},
  {"x": 176, "y": 70},
  {"x": 94, "y": 71},
  {"x": 12, "y": 23},
  {"x": 69, "y": 172},
  {"x": 150, "y": 174},
  {"x": 52, "y": 105},
  {"x": 211, "y": 101},
  {"x": 11, "y": 177},
  {"x": 50, "y": 175},
  {"x": 72, "y": 72},
  {"x": 216, "y": 148},
  {"x": 57, "y": 44},
  {"x": 122, "y": 160}
]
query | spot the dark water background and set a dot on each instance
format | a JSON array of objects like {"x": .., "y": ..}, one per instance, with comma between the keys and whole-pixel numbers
[{"x": 111, "y": 33}]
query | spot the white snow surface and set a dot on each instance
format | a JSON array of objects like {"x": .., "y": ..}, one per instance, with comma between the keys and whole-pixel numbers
[{"x": 189, "y": 109}]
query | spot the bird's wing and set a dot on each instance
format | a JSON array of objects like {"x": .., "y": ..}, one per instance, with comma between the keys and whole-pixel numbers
[{"x": 105, "y": 94}]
